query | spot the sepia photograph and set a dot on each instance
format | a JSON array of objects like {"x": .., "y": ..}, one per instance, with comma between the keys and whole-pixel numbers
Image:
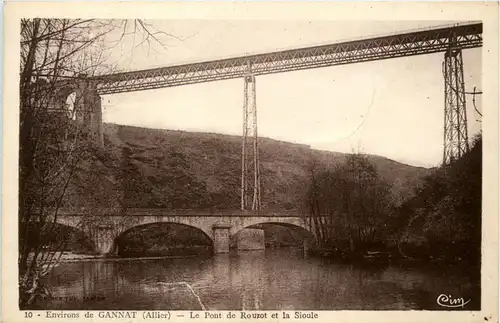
[{"x": 242, "y": 165}]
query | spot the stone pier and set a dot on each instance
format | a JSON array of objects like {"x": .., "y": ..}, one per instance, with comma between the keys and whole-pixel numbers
[
  {"x": 221, "y": 238},
  {"x": 89, "y": 111}
]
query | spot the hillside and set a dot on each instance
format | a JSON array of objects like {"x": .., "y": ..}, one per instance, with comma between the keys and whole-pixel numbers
[
  {"x": 447, "y": 211},
  {"x": 186, "y": 170}
]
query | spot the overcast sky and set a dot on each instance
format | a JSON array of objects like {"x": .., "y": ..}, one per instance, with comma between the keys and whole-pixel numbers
[{"x": 393, "y": 108}]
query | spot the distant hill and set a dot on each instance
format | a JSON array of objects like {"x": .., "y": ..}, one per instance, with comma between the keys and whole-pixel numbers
[{"x": 189, "y": 170}]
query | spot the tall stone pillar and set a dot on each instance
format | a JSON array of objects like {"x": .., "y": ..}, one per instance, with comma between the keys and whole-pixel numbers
[
  {"x": 221, "y": 239},
  {"x": 89, "y": 111},
  {"x": 95, "y": 118}
]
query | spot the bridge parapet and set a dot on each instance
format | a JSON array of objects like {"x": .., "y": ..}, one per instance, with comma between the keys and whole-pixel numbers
[{"x": 169, "y": 212}]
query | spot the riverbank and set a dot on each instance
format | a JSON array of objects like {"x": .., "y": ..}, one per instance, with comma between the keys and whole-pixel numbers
[{"x": 391, "y": 257}]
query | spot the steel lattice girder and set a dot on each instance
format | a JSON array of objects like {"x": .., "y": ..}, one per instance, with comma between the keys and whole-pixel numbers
[
  {"x": 455, "y": 119},
  {"x": 408, "y": 44}
]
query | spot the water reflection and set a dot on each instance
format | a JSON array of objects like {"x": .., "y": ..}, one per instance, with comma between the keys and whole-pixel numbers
[{"x": 267, "y": 280}]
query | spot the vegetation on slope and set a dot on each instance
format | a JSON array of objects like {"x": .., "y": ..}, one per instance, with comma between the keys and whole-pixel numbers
[
  {"x": 443, "y": 220},
  {"x": 351, "y": 209},
  {"x": 150, "y": 168}
]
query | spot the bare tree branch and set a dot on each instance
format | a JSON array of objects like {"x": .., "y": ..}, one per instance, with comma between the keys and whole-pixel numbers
[{"x": 52, "y": 142}]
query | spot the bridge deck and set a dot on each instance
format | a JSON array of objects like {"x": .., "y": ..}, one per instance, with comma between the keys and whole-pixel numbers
[
  {"x": 169, "y": 212},
  {"x": 362, "y": 50}
]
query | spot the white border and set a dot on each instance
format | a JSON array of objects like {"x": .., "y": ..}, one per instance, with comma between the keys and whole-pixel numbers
[{"x": 467, "y": 11}]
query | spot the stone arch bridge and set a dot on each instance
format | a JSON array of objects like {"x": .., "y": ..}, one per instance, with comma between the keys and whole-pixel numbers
[{"x": 105, "y": 226}]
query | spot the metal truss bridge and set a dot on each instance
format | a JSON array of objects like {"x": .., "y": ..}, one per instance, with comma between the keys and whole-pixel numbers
[
  {"x": 450, "y": 40},
  {"x": 363, "y": 50}
]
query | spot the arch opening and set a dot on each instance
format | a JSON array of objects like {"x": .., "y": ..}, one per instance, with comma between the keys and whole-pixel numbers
[
  {"x": 163, "y": 239},
  {"x": 57, "y": 237},
  {"x": 268, "y": 235}
]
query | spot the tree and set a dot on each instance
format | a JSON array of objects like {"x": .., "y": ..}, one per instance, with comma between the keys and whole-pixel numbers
[
  {"x": 56, "y": 55},
  {"x": 348, "y": 205}
]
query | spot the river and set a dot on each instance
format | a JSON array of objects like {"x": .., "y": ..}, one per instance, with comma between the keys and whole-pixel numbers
[{"x": 274, "y": 279}]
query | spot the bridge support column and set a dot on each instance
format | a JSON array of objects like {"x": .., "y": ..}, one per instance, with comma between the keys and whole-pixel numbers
[
  {"x": 221, "y": 239},
  {"x": 456, "y": 138},
  {"x": 96, "y": 118},
  {"x": 250, "y": 149},
  {"x": 89, "y": 112},
  {"x": 105, "y": 241}
]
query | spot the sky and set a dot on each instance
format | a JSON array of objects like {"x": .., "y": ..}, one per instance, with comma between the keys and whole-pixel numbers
[{"x": 392, "y": 108}]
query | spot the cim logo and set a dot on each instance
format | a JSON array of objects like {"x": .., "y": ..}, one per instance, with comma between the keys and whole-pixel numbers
[{"x": 450, "y": 302}]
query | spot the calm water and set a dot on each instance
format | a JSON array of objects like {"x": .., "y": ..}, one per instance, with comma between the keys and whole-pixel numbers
[{"x": 264, "y": 280}]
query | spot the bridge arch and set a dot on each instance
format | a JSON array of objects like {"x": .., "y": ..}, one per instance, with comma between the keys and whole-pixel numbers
[
  {"x": 67, "y": 237},
  {"x": 300, "y": 235},
  {"x": 156, "y": 231},
  {"x": 199, "y": 223},
  {"x": 304, "y": 232},
  {"x": 294, "y": 222}
]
